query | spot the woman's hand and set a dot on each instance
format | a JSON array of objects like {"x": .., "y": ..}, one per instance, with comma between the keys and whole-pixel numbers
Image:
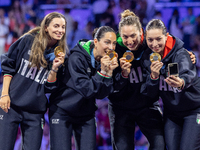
[
  {"x": 192, "y": 57},
  {"x": 174, "y": 81},
  {"x": 58, "y": 61},
  {"x": 155, "y": 69},
  {"x": 125, "y": 66},
  {"x": 105, "y": 63},
  {"x": 5, "y": 103},
  {"x": 113, "y": 64}
]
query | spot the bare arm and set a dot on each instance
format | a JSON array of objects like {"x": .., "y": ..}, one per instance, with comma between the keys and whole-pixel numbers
[
  {"x": 56, "y": 63},
  {"x": 5, "y": 98}
]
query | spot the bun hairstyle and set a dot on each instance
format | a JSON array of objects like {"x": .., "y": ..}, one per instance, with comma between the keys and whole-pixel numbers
[
  {"x": 98, "y": 33},
  {"x": 156, "y": 24},
  {"x": 127, "y": 13},
  {"x": 128, "y": 18}
]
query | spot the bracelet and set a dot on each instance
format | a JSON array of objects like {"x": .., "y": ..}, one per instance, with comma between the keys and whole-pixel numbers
[
  {"x": 54, "y": 70},
  {"x": 154, "y": 78},
  {"x": 4, "y": 95},
  {"x": 51, "y": 81}
]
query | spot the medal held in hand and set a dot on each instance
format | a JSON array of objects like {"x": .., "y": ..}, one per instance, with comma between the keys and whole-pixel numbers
[
  {"x": 57, "y": 50},
  {"x": 129, "y": 56},
  {"x": 155, "y": 57},
  {"x": 112, "y": 54}
]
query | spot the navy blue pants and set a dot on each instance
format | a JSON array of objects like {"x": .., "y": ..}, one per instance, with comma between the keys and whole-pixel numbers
[
  {"x": 62, "y": 127},
  {"x": 182, "y": 132},
  {"x": 123, "y": 122},
  {"x": 31, "y": 128}
]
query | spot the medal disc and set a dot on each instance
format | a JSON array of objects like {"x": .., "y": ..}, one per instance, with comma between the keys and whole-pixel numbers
[
  {"x": 112, "y": 54},
  {"x": 155, "y": 57},
  {"x": 129, "y": 56},
  {"x": 57, "y": 50}
]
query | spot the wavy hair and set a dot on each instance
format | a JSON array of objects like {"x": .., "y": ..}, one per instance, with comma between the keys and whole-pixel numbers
[{"x": 42, "y": 39}]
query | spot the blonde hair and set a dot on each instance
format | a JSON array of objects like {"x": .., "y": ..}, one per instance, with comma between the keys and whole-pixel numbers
[
  {"x": 41, "y": 41},
  {"x": 129, "y": 18}
]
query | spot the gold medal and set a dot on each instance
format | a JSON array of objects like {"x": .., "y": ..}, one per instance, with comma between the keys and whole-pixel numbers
[
  {"x": 57, "y": 50},
  {"x": 112, "y": 54},
  {"x": 155, "y": 57},
  {"x": 129, "y": 56}
]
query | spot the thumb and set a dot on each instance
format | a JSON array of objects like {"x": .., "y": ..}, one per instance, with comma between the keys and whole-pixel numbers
[{"x": 8, "y": 104}]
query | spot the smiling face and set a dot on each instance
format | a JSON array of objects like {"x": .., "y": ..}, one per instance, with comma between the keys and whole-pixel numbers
[
  {"x": 106, "y": 43},
  {"x": 56, "y": 29},
  {"x": 156, "y": 40},
  {"x": 131, "y": 36}
]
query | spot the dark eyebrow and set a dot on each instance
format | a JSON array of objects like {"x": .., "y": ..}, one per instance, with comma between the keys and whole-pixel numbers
[
  {"x": 108, "y": 40},
  {"x": 129, "y": 35},
  {"x": 59, "y": 24}
]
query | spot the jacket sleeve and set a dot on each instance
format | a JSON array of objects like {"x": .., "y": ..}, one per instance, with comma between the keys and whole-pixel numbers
[
  {"x": 51, "y": 86},
  {"x": 95, "y": 86},
  {"x": 118, "y": 79},
  {"x": 10, "y": 61},
  {"x": 151, "y": 86},
  {"x": 187, "y": 70}
]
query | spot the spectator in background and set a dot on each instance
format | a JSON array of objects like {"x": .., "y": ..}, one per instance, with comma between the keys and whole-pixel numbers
[
  {"x": 4, "y": 31},
  {"x": 116, "y": 10},
  {"x": 3, "y": 15},
  {"x": 99, "y": 7},
  {"x": 197, "y": 25},
  {"x": 188, "y": 23},
  {"x": 89, "y": 29},
  {"x": 158, "y": 15},
  {"x": 76, "y": 34},
  {"x": 196, "y": 51},
  {"x": 18, "y": 13},
  {"x": 196, "y": 44},
  {"x": 69, "y": 19},
  {"x": 141, "y": 8},
  {"x": 50, "y": 2},
  {"x": 107, "y": 18},
  {"x": 14, "y": 30},
  {"x": 26, "y": 6},
  {"x": 104, "y": 125},
  {"x": 28, "y": 25},
  {"x": 150, "y": 8},
  {"x": 174, "y": 25}
]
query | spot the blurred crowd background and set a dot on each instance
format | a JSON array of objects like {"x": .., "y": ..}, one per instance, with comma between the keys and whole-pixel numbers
[{"x": 181, "y": 17}]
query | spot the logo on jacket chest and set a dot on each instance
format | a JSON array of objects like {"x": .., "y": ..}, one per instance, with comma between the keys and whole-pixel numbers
[
  {"x": 163, "y": 86},
  {"x": 136, "y": 75},
  {"x": 88, "y": 70}
]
